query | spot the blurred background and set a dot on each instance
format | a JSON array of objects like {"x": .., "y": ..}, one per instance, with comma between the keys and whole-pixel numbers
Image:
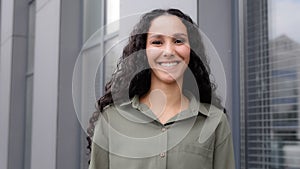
[{"x": 42, "y": 41}]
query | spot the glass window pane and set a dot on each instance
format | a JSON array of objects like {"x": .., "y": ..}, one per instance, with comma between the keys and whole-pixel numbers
[
  {"x": 272, "y": 84},
  {"x": 29, "y": 93},
  {"x": 29, "y": 83},
  {"x": 31, "y": 30},
  {"x": 113, "y": 51},
  {"x": 92, "y": 14},
  {"x": 112, "y": 16}
]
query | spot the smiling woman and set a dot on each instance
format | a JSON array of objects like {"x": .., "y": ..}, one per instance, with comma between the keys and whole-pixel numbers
[
  {"x": 160, "y": 109},
  {"x": 167, "y": 48},
  {"x": 168, "y": 54}
]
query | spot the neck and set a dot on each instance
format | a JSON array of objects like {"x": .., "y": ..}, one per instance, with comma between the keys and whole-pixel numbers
[
  {"x": 165, "y": 100},
  {"x": 164, "y": 96},
  {"x": 172, "y": 94},
  {"x": 172, "y": 91}
]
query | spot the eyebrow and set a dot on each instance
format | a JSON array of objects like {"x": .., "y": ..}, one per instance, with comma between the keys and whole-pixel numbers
[{"x": 160, "y": 35}]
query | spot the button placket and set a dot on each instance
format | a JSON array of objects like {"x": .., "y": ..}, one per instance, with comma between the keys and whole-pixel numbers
[
  {"x": 162, "y": 163},
  {"x": 162, "y": 155}
]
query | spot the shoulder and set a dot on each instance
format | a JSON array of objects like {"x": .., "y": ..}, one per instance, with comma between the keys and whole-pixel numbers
[
  {"x": 110, "y": 110},
  {"x": 217, "y": 116},
  {"x": 212, "y": 111},
  {"x": 216, "y": 122},
  {"x": 116, "y": 114},
  {"x": 101, "y": 125},
  {"x": 104, "y": 114}
]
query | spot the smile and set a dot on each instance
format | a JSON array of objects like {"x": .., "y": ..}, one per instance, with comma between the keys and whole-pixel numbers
[{"x": 168, "y": 64}]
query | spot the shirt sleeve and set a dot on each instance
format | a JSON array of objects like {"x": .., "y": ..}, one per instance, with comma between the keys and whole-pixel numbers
[
  {"x": 99, "y": 153},
  {"x": 99, "y": 158},
  {"x": 224, "y": 153}
]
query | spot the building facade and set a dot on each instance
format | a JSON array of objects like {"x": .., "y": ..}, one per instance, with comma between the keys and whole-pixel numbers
[
  {"x": 56, "y": 56},
  {"x": 270, "y": 113}
]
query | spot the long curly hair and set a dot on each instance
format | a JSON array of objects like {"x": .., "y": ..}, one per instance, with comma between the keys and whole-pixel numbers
[{"x": 133, "y": 75}]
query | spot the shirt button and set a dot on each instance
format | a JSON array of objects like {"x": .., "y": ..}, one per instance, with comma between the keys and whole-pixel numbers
[
  {"x": 163, "y": 129},
  {"x": 162, "y": 155}
]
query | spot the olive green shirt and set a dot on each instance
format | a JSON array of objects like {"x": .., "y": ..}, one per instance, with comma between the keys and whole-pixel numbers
[{"x": 130, "y": 136}]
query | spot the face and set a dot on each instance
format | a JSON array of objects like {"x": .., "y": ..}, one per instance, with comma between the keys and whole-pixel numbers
[{"x": 167, "y": 49}]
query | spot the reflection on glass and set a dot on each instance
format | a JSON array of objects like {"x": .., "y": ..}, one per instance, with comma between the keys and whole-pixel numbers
[
  {"x": 272, "y": 84},
  {"x": 285, "y": 69},
  {"x": 285, "y": 76},
  {"x": 112, "y": 16}
]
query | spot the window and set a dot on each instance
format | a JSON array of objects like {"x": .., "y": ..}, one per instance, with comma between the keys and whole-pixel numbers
[
  {"x": 101, "y": 25},
  {"x": 112, "y": 15},
  {"x": 94, "y": 65},
  {"x": 29, "y": 82},
  {"x": 271, "y": 113}
]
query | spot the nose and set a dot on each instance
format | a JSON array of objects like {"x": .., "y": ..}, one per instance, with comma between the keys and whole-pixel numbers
[{"x": 168, "y": 49}]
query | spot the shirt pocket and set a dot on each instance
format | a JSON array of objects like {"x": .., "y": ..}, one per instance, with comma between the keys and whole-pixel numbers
[
  {"x": 196, "y": 149},
  {"x": 194, "y": 156}
]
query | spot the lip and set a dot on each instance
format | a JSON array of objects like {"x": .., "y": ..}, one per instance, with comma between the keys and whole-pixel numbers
[
  {"x": 168, "y": 64},
  {"x": 168, "y": 61}
]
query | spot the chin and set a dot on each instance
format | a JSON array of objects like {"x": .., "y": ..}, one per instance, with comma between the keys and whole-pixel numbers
[{"x": 169, "y": 79}]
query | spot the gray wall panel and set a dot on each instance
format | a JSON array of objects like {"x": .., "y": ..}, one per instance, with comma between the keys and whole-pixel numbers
[
  {"x": 45, "y": 93},
  {"x": 215, "y": 22},
  {"x": 13, "y": 65},
  {"x": 68, "y": 127},
  {"x": 17, "y": 104}
]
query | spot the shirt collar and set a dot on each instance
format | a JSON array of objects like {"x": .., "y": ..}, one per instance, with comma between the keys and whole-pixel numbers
[{"x": 195, "y": 107}]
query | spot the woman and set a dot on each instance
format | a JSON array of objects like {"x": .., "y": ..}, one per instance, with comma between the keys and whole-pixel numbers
[{"x": 160, "y": 109}]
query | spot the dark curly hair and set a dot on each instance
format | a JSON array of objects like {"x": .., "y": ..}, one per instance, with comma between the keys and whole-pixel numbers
[{"x": 133, "y": 74}]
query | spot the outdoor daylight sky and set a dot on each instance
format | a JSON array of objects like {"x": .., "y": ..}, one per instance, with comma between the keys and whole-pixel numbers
[{"x": 285, "y": 18}]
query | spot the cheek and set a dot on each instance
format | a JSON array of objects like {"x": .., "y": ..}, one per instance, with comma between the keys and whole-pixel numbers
[
  {"x": 184, "y": 52},
  {"x": 153, "y": 53}
]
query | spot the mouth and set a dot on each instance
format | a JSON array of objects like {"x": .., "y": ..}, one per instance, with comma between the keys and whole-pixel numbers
[{"x": 168, "y": 64}]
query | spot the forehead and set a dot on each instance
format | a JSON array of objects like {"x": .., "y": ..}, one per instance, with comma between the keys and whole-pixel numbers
[{"x": 167, "y": 25}]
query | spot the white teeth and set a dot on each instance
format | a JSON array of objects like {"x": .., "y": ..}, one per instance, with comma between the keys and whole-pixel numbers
[{"x": 168, "y": 64}]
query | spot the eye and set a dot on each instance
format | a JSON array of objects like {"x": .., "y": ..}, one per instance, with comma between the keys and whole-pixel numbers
[
  {"x": 156, "y": 42},
  {"x": 179, "y": 41}
]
